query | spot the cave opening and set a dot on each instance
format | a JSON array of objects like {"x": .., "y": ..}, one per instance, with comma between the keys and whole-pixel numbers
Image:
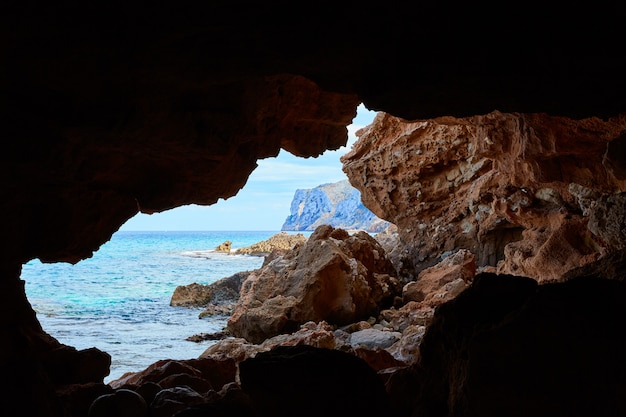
[{"x": 119, "y": 299}]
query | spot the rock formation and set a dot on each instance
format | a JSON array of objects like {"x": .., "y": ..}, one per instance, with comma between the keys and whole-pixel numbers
[
  {"x": 334, "y": 276},
  {"x": 282, "y": 241},
  {"x": 528, "y": 194},
  {"x": 113, "y": 109},
  {"x": 337, "y": 204},
  {"x": 494, "y": 340},
  {"x": 224, "y": 247},
  {"x": 219, "y": 296}
]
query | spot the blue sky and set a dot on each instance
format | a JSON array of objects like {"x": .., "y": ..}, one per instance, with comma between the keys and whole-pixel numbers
[{"x": 263, "y": 203}]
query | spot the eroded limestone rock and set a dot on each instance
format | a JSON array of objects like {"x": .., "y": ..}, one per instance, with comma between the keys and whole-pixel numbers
[
  {"x": 334, "y": 276},
  {"x": 442, "y": 282},
  {"x": 282, "y": 241},
  {"x": 514, "y": 189},
  {"x": 224, "y": 247}
]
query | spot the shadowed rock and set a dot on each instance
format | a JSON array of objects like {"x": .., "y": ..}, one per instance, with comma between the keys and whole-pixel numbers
[
  {"x": 508, "y": 347},
  {"x": 308, "y": 381}
]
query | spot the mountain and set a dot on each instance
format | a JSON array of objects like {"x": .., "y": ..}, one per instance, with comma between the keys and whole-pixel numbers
[{"x": 337, "y": 204}]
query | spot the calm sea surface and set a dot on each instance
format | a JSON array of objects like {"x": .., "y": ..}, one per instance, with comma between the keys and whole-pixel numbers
[{"x": 118, "y": 300}]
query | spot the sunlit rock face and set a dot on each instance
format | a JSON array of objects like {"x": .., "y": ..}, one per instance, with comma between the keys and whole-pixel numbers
[
  {"x": 333, "y": 276},
  {"x": 528, "y": 194},
  {"x": 336, "y": 204}
]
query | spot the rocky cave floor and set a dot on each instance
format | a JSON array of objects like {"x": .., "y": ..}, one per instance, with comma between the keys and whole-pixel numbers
[{"x": 376, "y": 344}]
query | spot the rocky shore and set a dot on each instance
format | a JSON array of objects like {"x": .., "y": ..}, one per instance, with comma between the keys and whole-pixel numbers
[
  {"x": 282, "y": 241},
  {"x": 334, "y": 291},
  {"x": 483, "y": 282}
]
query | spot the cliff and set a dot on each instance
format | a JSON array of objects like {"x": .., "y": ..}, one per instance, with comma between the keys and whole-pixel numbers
[
  {"x": 337, "y": 204},
  {"x": 528, "y": 194}
]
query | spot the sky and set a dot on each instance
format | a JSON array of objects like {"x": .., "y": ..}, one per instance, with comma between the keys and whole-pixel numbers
[{"x": 264, "y": 202}]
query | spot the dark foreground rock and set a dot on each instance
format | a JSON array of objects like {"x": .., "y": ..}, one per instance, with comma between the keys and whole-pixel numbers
[
  {"x": 486, "y": 352},
  {"x": 510, "y": 347},
  {"x": 309, "y": 381}
]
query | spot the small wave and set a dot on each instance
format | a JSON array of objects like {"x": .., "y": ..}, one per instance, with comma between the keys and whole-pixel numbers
[
  {"x": 213, "y": 254},
  {"x": 199, "y": 253}
]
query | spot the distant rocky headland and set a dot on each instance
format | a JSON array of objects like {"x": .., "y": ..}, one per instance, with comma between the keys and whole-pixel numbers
[
  {"x": 282, "y": 241},
  {"x": 336, "y": 204}
]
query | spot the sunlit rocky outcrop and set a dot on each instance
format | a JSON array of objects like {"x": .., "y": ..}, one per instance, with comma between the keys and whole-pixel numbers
[{"x": 527, "y": 194}]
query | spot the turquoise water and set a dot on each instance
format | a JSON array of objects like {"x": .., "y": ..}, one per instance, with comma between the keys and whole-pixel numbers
[{"x": 118, "y": 300}]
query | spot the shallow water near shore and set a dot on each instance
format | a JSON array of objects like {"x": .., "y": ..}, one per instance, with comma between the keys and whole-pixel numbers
[{"x": 118, "y": 300}]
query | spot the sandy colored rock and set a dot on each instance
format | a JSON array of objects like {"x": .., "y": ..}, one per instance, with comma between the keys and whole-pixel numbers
[
  {"x": 407, "y": 348},
  {"x": 224, "y": 247},
  {"x": 282, "y": 241}
]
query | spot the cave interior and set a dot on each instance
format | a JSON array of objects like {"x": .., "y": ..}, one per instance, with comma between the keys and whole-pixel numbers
[{"x": 114, "y": 109}]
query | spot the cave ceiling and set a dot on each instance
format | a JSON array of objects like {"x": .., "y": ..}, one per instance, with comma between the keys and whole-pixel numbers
[{"x": 113, "y": 109}]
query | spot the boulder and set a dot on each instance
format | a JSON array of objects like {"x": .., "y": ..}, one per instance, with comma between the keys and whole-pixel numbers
[
  {"x": 214, "y": 371},
  {"x": 334, "y": 276},
  {"x": 374, "y": 338},
  {"x": 442, "y": 282},
  {"x": 224, "y": 247},
  {"x": 509, "y": 347},
  {"x": 122, "y": 403},
  {"x": 223, "y": 292},
  {"x": 336, "y": 383}
]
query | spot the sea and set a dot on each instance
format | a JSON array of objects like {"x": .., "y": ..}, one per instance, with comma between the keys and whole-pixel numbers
[{"x": 119, "y": 299}]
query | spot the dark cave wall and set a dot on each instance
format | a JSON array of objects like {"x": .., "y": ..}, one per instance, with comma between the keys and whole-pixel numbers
[
  {"x": 110, "y": 110},
  {"x": 113, "y": 109}
]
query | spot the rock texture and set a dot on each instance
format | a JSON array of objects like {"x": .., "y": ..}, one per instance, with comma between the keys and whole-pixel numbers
[
  {"x": 219, "y": 296},
  {"x": 224, "y": 247},
  {"x": 442, "y": 282},
  {"x": 527, "y": 194},
  {"x": 334, "y": 276},
  {"x": 483, "y": 352},
  {"x": 281, "y": 242},
  {"x": 337, "y": 204},
  {"x": 111, "y": 109}
]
